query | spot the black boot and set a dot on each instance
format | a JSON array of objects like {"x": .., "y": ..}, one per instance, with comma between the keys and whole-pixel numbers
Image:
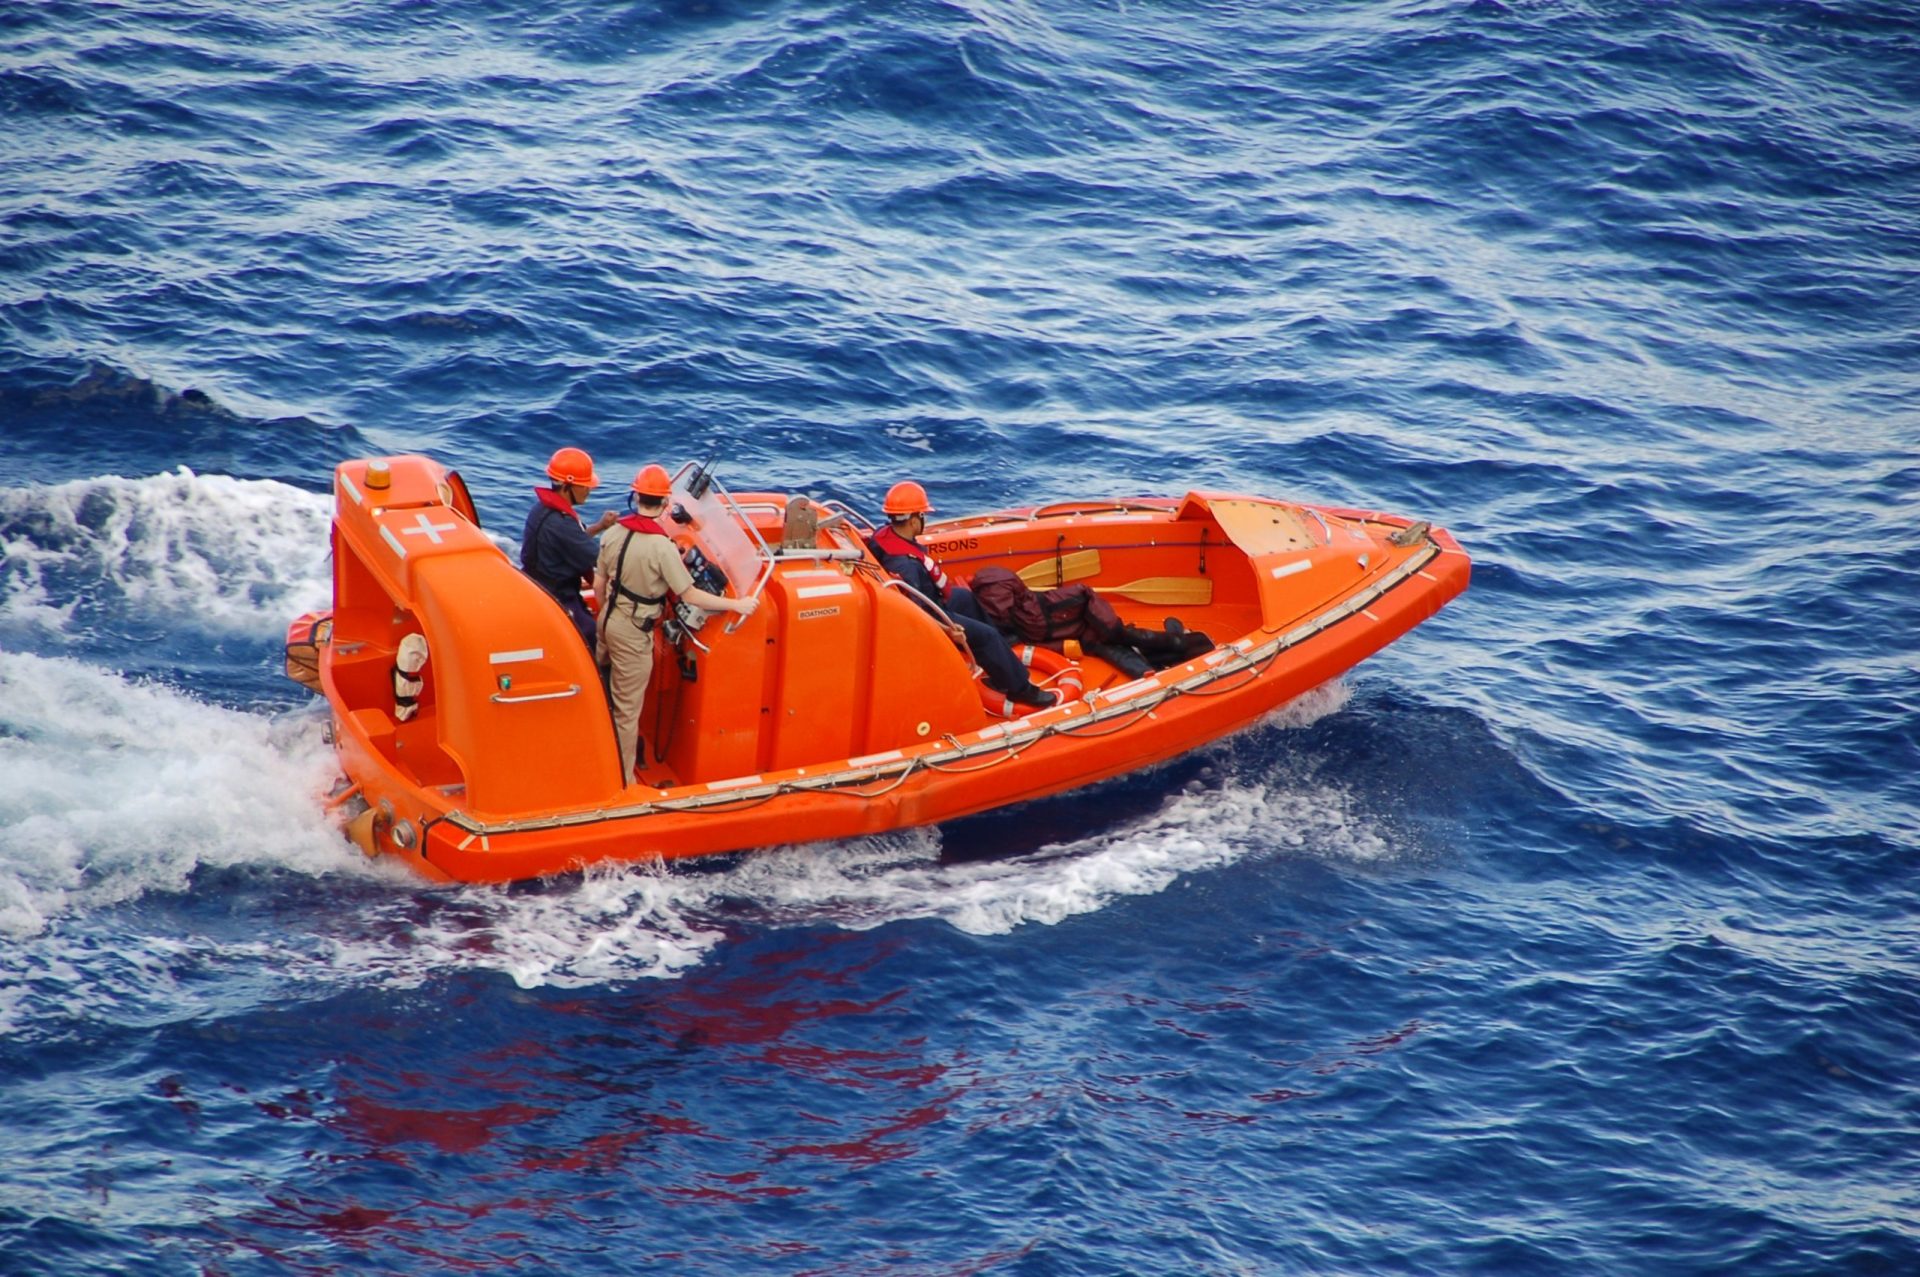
[
  {"x": 1122, "y": 657},
  {"x": 1162, "y": 647},
  {"x": 1194, "y": 641},
  {"x": 1032, "y": 697}
]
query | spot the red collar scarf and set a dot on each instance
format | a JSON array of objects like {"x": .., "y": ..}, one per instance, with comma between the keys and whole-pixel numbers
[
  {"x": 641, "y": 523},
  {"x": 554, "y": 501},
  {"x": 891, "y": 543}
]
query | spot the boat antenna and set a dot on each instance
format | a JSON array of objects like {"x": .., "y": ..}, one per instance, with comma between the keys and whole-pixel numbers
[{"x": 702, "y": 477}]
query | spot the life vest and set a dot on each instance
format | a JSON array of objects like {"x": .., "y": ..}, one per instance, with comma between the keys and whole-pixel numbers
[
  {"x": 636, "y": 525},
  {"x": 891, "y": 544}
]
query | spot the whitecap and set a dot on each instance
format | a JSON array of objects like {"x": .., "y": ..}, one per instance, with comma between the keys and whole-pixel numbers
[{"x": 222, "y": 554}]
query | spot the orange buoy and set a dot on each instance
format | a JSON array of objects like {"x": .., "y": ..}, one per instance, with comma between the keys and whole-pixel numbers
[{"x": 1047, "y": 668}]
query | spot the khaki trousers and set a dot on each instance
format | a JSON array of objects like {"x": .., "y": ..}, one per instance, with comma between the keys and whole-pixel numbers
[{"x": 630, "y": 657}]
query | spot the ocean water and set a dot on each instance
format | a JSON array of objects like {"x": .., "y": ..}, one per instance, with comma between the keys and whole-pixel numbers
[{"x": 1575, "y": 933}]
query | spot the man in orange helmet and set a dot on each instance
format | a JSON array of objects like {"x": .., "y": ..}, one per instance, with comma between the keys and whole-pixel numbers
[
  {"x": 638, "y": 565},
  {"x": 898, "y": 548},
  {"x": 556, "y": 548}
]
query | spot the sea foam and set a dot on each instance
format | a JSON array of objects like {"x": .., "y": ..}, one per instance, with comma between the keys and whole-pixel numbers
[
  {"x": 222, "y": 554},
  {"x": 111, "y": 788}
]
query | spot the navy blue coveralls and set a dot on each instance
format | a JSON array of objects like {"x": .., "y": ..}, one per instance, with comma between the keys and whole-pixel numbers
[{"x": 557, "y": 552}]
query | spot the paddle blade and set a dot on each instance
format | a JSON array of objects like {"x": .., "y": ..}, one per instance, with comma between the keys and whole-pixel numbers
[
  {"x": 1174, "y": 591},
  {"x": 1044, "y": 574}
]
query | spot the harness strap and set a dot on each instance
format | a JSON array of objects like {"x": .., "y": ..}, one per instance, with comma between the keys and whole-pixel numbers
[{"x": 620, "y": 586}]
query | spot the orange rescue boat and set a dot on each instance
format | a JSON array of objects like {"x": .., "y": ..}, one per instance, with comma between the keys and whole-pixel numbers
[{"x": 477, "y": 746}]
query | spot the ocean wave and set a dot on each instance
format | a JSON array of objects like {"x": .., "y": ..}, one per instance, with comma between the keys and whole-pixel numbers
[
  {"x": 206, "y": 552},
  {"x": 66, "y": 418},
  {"x": 1597, "y": 884}
]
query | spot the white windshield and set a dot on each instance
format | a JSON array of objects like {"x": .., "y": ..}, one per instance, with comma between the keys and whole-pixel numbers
[{"x": 721, "y": 530}]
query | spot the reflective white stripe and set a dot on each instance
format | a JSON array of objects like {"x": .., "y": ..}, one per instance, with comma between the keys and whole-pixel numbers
[
  {"x": 1127, "y": 691},
  {"x": 822, "y": 591},
  {"x": 1370, "y": 616},
  {"x": 871, "y": 759},
  {"x": 351, "y": 490},
  {"x": 522, "y": 654},
  {"x": 1288, "y": 569},
  {"x": 427, "y": 527},
  {"x": 1124, "y": 518},
  {"x": 789, "y": 574},
  {"x": 738, "y": 782},
  {"x": 393, "y": 541}
]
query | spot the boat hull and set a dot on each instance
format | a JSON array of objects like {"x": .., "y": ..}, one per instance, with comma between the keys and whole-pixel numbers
[{"x": 1295, "y": 596}]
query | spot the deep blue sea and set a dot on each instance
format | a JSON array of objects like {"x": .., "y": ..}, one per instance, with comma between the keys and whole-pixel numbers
[{"x": 1575, "y": 933}]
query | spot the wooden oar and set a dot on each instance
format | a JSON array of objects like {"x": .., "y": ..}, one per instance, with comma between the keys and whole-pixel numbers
[
  {"x": 1044, "y": 574},
  {"x": 1186, "y": 591}
]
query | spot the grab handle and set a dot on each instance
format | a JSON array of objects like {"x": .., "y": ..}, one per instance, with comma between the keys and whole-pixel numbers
[{"x": 571, "y": 689}]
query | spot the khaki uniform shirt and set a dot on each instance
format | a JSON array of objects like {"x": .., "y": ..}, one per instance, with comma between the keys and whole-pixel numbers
[{"x": 653, "y": 568}]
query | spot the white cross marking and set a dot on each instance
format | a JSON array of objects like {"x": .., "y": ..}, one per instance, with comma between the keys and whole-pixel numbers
[{"x": 431, "y": 529}]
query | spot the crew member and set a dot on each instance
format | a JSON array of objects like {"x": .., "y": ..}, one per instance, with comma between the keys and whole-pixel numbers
[
  {"x": 636, "y": 568},
  {"x": 898, "y": 548},
  {"x": 556, "y": 548}
]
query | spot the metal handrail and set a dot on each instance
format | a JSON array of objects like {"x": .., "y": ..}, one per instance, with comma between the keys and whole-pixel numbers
[
  {"x": 841, "y": 510},
  {"x": 1091, "y": 507},
  {"x": 766, "y": 554},
  {"x": 895, "y": 583}
]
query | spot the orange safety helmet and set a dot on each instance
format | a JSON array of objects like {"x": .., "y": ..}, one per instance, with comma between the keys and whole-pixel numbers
[
  {"x": 904, "y": 498},
  {"x": 571, "y": 465},
  {"x": 652, "y": 481}
]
